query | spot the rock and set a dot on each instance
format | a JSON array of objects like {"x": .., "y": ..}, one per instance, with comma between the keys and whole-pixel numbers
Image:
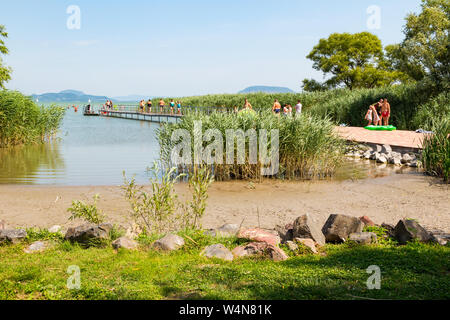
[
  {"x": 390, "y": 229},
  {"x": 396, "y": 161},
  {"x": 291, "y": 245},
  {"x": 338, "y": 227},
  {"x": 227, "y": 230},
  {"x": 382, "y": 159},
  {"x": 260, "y": 248},
  {"x": 133, "y": 231},
  {"x": 169, "y": 242},
  {"x": 3, "y": 225},
  {"x": 217, "y": 251},
  {"x": 305, "y": 227},
  {"x": 12, "y": 236},
  {"x": 367, "y": 155},
  {"x": 387, "y": 148},
  {"x": 55, "y": 229},
  {"x": 259, "y": 235},
  {"x": 367, "y": 222},
  {"x": 374, "y": 156},
  {"x": 125, "y": 243},
  {"x": 378, "y": 148},
  {"x": 440, "y": 239},
  {"x": 363, "y": 237},
  {"x": 413, "y": 164},
  {"x": 286, "y": 233},
  {"x": 37, "y": 246},
  {"x": 407, "y": 230},
  {"x": 307, "y": 243},
  {"x": 88, "y": 232},
  {"x": 406, "y": 158}
]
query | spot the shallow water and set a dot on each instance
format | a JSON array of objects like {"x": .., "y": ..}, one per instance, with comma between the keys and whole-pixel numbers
[
  {"x": 96, "y": 150},
  {"x": 87, "y": 151}
]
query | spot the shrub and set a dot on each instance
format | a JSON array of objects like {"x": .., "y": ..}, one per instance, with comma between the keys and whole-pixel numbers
[{"x": 88, "y": 212}]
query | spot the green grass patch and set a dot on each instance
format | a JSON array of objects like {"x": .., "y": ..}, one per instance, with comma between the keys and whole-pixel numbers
[{"x": 414, "y": 271}]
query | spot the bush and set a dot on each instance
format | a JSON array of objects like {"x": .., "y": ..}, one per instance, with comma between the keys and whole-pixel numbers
[
  {"x": 22, "y": 121},
  {"x": 88, "y": 212}
]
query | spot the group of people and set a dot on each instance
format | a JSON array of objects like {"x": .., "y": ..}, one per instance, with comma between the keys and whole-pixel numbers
[
  {"x": 287, "y": 109},
  {"x": 277, "y": 109},
  {"x": 379, "y": 113},
  {"x": 147, "y": 106}
]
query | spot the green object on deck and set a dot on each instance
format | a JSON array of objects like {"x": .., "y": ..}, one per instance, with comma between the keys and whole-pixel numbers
[{"x": 381, "y": 128}]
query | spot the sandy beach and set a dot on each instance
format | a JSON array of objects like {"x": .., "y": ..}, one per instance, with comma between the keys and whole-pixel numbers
[{"x": 385, "y": 199}]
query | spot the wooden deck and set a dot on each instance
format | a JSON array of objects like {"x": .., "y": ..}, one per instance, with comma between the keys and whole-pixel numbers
[
  {"x": 142, "y": 116},
  {"x": 396, "y": 139}
]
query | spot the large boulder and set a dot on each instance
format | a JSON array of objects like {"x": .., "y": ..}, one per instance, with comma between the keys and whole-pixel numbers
[
  {"x": 124, "y": 243},
  {"x": 217, "y": 251},
  {"x": 227, "y": 230},
  {"x": 306, "y": 227},
  {"x": 260, "y": 248},
  {"x": 259, "y": 235},
  {"x": 169, "y": 242},
  {"x": 338, "y": 227},
  {"x": 87, "y": 233},
  {"x": 407, "y": 230},
  {"x": 286, "y": 232},
  {"x": 12, "y": 236},
  {"x": 363, "y": 237}
]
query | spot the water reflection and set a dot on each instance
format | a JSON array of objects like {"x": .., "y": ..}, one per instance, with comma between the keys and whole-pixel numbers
[{"x": 28, "y": 164}]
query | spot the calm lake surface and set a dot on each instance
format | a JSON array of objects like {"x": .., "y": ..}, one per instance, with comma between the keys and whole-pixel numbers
[
  {"x": 96, "y": 150},
  {"x": 88, "y": 151}
]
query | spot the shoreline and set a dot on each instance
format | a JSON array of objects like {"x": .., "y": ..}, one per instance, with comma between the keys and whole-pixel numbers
[{"x": 252, "y": 204}]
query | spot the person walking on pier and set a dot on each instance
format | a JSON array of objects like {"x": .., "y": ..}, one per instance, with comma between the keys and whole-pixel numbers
[
  {"x": 161, "y": 105},
  {"x": 141, "y": 106},
  {"x": 179, "y": 107}
]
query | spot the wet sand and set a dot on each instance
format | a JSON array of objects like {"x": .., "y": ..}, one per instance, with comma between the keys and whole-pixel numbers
[{"x": 384, "y": 199}]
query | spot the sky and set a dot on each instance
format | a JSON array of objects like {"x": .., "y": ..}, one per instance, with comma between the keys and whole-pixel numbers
[{"x": 179, "y": 48}]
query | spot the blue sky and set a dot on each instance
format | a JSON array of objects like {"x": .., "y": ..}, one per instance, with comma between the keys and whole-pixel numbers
[{"x": 178, "y": 48}]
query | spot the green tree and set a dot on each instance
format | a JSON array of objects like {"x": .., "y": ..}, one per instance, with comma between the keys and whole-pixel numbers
[
  {"x": 353, "y": 61},
  {"x": 424, "y": 54},
  {"x": 5, "y": 72}
]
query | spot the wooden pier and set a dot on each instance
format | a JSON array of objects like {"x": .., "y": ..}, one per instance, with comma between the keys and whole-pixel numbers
[{"x": 142, "y": 116}]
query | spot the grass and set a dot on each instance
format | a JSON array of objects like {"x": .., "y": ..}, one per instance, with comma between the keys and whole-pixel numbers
[
  {"x": 414, "y": 271},
  {"x": 24, "y": 122},
  {"x": 308, "y": 146}
]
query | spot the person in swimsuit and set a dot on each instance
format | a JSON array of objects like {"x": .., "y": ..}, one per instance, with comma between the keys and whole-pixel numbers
[
  {"x": 149, "y": 105},
  {"x": 276, "y": 108},
  {"x": 178, "y": 107},
  {"x": 141, "y": 106},
  {"x": 172, "y": 106},
  {"x": 161, "y": 105},
  {"x": 385, "y": 112},
  {"x": 370, "y": 114},
  {"x": 247, "y": 105}
]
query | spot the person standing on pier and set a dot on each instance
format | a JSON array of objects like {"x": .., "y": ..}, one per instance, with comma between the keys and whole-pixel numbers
[
  {"x": 172, "y": 106},
  {"x": 161, "y": 105},
  {"x": 149, "y": 106},
  {"x": 179, "y": 107}
]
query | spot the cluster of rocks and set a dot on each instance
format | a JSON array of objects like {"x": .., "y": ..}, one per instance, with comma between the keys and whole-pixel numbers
[
  {"x": 304, "y": 233},
  {"x": 383, "y": 154}
]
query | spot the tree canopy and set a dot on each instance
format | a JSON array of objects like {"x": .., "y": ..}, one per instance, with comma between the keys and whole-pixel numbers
[
  {"x": 5, "y": 72},
  {"x": 424, "y": 54},
  {"x": 352, "y": 61}
]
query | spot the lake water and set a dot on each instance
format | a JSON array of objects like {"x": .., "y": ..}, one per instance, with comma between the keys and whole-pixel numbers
[
  {"x": 88, "y": 151},
  {"x": 96, "y": 150}
]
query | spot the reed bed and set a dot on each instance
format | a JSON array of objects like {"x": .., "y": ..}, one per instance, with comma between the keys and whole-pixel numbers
[
  {"x": 436, "y": 149},
  {"x": 339, "y": 105},
  {"x": 308, "y": 147},
  {"x": 22, "y": 121}
]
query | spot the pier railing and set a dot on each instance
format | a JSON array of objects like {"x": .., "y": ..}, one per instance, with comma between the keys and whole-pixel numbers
[{"x": 165, "y": 110}]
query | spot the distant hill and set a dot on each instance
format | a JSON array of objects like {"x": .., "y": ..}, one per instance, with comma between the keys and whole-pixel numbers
[
  {"x": 266, "y": 89},
  {"x": 68, "y": 96}
]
